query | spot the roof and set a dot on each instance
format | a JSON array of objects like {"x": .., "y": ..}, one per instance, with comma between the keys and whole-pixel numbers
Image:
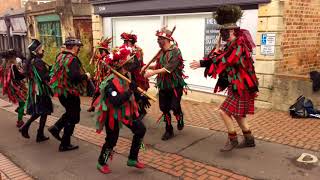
[{"x": 148, "y": 7}]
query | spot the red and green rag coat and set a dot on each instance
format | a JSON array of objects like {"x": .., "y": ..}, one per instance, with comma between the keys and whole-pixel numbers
[
  {"x": 39, "y": 92},
  {"x": 172, "y": 61},
  {"x": 61, "y": 82},
  {"x": 13, "y": 84},
  {"x": 235, "y": 63},
  {"x": 101, "y": 71},
  {"x": 117, "y": 103},
  {"x": 141, "y": 81}
]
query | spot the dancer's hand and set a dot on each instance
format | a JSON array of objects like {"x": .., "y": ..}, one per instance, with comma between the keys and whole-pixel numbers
[
  {"x": 195, "y": 64},
  {"x": 88, "y": 75},
  {"x": 143, "y": 69},
  {"x": 149, "y": 73}
]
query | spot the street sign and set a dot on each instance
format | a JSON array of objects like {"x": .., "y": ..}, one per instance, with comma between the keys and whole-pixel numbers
[
  {"x": 267, "y": 50},
  {"x": 268, "y": 42},
  {"x": 210, "y": 35}
]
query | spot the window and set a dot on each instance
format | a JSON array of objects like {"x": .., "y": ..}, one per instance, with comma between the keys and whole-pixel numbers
[{"x": 50, "y": 33}]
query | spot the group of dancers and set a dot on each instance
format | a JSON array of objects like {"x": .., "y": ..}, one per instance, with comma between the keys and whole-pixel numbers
[{"x": 121, "y": 82}]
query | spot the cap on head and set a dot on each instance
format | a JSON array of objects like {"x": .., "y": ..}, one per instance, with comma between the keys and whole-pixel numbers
[{"x": 70, "y": 41}]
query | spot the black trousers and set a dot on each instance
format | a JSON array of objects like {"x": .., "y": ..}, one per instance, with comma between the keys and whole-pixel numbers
[
  {"x": 170, "y": 99},
  {"x": 70, "y": 118},
  {"x": 138, "y": 129}
]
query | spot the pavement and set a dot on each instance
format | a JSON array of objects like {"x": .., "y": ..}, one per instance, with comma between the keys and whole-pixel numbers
[{"x": 192, "y": 154}]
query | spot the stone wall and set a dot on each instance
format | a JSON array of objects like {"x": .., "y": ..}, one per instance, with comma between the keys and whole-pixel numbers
[
  {"x": 270, "y": 20},
  {"x": 97, "y": 28}
]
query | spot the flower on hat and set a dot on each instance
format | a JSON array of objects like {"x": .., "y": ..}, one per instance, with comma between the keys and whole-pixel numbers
[
  {"x": 129, "y": 37},
  {"x": 164, "y": 32},
  {"x": 119, "y": 56}
]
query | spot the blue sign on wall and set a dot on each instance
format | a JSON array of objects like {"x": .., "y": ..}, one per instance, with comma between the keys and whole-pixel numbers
[{"x": 264, "y": 39}]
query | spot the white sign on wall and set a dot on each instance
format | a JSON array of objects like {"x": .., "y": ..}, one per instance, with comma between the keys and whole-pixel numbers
[{"x": 268, "y": 42}]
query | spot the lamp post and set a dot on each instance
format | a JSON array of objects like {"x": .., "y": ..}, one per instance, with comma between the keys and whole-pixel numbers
[{"x": 8, "y": 24}]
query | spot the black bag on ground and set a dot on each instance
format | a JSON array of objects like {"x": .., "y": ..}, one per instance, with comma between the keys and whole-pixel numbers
[
  {"x": 297, "y": 110},
  {"x": 303, "y": 108}
]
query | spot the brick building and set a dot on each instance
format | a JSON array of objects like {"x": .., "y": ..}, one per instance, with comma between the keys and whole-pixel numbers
[
  {"x": 13, "y": 30},
  {"x": 6, "y": 5},
  {"x": 286, "y": 33},
  {"x": 285, "y": 75},
  {"x": 52, "y": 22}
]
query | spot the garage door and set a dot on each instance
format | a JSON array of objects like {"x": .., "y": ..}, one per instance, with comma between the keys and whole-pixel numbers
[
  {"x": 144, "y": 27},
  {"x": 190, "y": 36}
]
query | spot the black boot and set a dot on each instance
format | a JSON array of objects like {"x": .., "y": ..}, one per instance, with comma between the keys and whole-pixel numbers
[
  {"x": 25, "y": 128},
  {"x": 248, "y": 140},
  {"x": 169, "y": 129},
  {"x": 41, "y": 137},
  {"x": 231, "y": 143},
  {"x": 68, "y": 148},
  {"x": 66, "y": 139},
  {"x": 55, "y": 132},
  {"x": 168, "y": 134},
  {"x": 42, "y": 124},
  {"x": 180, "y": 122},
  {"x": 91, "y": 109}
]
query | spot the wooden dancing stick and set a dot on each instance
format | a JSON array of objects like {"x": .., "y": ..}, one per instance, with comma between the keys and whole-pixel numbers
[
  {"x": 95, "y": 51},
  {"x": 129, "y": 81},
  {"x": 154, "y": 58}
]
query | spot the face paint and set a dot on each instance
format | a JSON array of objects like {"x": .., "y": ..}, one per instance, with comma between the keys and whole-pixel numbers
[
  {"x": 225, "y": 35},
  {"x": 40, "y": 55},
  {"x": 161, "y": 41}
]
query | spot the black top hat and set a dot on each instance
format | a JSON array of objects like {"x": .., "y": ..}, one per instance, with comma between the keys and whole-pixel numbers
[
  {"x": 34, "y": 45},
  {"x": 73, "y": 41}
]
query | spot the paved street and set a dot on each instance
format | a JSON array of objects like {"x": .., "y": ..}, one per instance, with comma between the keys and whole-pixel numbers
[{"x": 192, "y": 154}]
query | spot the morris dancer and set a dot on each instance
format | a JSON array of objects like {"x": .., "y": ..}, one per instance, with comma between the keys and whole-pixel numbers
[
  {"x": 170, "y": 80},
  {"x": 101, "y": 71},
  {"x": 130, "y": 40},
  {"x": 118, "y": 106},
  {"x": 234, "y": 65},
  {"x": 13, "y": 84},
  {"x": 67, "y": 79},
  {"x": 38, "y": 102}
]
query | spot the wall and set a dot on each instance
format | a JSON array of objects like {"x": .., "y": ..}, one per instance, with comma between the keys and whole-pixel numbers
[
  {"x": 301, "y": 42},
  {"x": 7, "y": 4},
  {"x": 84, "y": 31},
  {"x": 300, "y": 48}
]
